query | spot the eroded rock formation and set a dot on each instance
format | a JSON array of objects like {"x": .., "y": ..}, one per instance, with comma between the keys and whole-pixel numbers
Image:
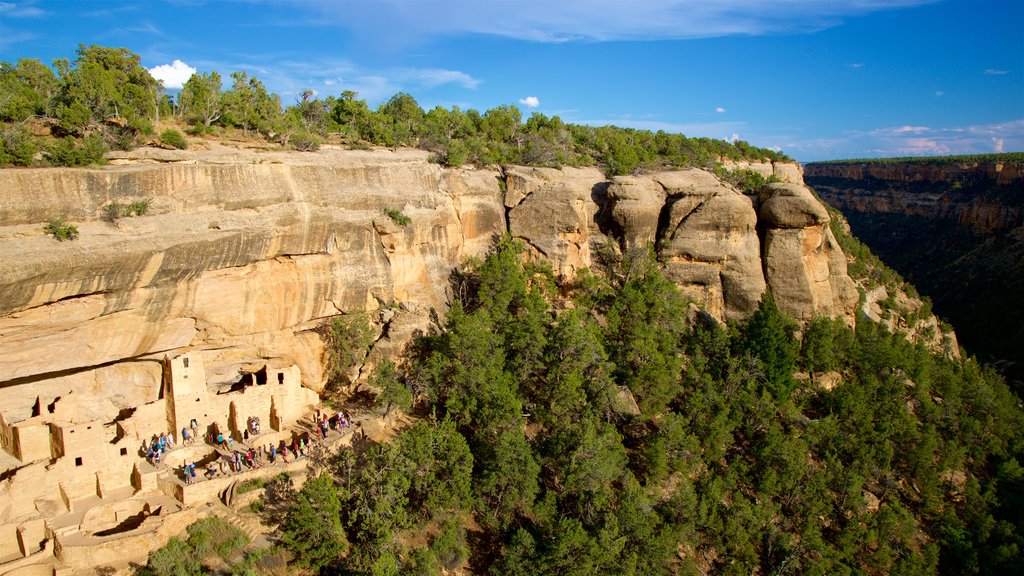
[{"x": 242, "y": 254}]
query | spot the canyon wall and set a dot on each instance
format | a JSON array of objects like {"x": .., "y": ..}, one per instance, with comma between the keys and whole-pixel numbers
[
  {"x": 984, "y": 196},
  {"x": 955, "y": 229},
  {"x": 243, "y": 254}
]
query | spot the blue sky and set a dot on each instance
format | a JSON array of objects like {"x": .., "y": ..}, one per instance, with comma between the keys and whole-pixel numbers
[{"x": 819, "y": 79}]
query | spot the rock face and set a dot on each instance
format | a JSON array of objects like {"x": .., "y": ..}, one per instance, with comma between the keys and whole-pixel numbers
[
  {"x": 804, "y": 265},
  {"x": 242, "y": 254},
  {"x": 240, "y": 260},
  {"x": 982, "y": 196}
]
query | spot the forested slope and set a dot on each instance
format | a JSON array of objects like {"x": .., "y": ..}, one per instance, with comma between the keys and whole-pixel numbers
[{"x": 747, "y": 450}]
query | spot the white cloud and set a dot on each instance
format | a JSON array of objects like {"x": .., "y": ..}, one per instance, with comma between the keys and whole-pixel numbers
[
  {"x": 993, "y": 72},
  {"x": 587, "y": 20},
  {"x": 939, "y": 93},
  {"x": 902, "y": 130},
  {"x": 530, "y": 101},
  {"x": 173, "y": 75},
  {"x": 720, "y": 110},
  {"x": 734, "y": 138},
  {"x": 856, "y": 65},
  {"x": 908, "y": 141}
]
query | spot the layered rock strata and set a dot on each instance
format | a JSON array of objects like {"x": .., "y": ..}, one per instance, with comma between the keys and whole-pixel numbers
[{"x": 242, "y": 254}]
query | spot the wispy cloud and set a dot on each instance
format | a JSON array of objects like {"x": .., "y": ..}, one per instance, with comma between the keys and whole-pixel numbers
[
  {"x": 145, "y": 27},
  {"x": 20, "y": 10},
  {"x": 905, "y": 140},
  {"x": 587, "y": 20},
  {"x": 922, "y": 141},
  {"x": 288, "y": 76},
  {"x": 530, "y": 101},
  {"x": 720, "y": 130},
  {"x": 994, "y": 72},
  {"x": 431, "y": 77},
  {"x": 9, "y": 36},
  {"x": 856, "y": 65},
  {"x": 720, "y": 110}
]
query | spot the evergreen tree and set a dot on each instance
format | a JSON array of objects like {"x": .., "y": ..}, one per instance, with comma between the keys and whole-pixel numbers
[{"x": 312, "y": 530}]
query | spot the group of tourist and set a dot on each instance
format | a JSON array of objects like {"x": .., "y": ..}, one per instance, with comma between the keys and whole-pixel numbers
[
  {"x": 188, "y": 473},
  {"x": 156, "y": 447},
  {"x": 246, "y": 458},
  {"x": 254, "y": 425},
  {"x": 324, "y": 422}
]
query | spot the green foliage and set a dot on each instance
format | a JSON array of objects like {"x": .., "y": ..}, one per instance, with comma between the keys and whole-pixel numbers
[
  {"x": 393, "y": 393},
  {"x": 68, "y": 152},
  {"x": 248, "y": 105},
  {"x": 175, "y": 558},
  {"x": 449, "y": 546},
  {"x": 17, "y": 146},
  {"x": 643, "y": 335},
  {"x": 312, "y": 530},
  {"x": 200, "y": 100},
  {"x": 250, "y": 485},
  {"x": 748, "y": 181},
  {"x": 26, "y": 89},
  {"x": 305, "y": 142},
  {"x": 115, "y": 210},
  {"x": 397, "y": 216},
  {"x": 60, "y": 229},
  {"x": 768, "y": 336},
  {"x": 172, "y": 137},
  {"x": 103, "y": 83},
  {"x": 348, "y": 338},
  {"x": 207, "y": 539},
  {"x": 215, "y": 537},
  {"x": 937, "y": 160},
  {"x": 110, "y": 84}
]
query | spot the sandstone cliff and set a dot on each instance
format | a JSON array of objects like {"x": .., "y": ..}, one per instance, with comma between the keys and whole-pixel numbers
[
  {"x": 984, "y": 196},
  {"x": 243, "y": 254}
]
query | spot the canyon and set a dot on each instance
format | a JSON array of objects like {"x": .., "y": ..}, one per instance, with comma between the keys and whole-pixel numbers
[{"x": 955, "y": 229}]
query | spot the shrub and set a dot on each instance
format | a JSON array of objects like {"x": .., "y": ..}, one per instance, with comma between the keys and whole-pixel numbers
[
  {"x": 67, "y": 152},
  {"x": 250, "y": 485},
  {"x": 116, "y": 210},
  {"x": 305, "y": 142},
  {"x": 200, "y": 130},
  {"x": 61, "y": 230},
  {"x": 212, "y": 535},
  {"x": 449, "y": 546},
  {"x": 172, "y": 137},
  {"x": 139, "y": 207},
  {"x": 113, "y": 211},
  {"x": 397, "y": 217},
  {"x": 120, "y": 137},
  {"x": 347, "y": 339},
  {"x": 17, "y": 146}
]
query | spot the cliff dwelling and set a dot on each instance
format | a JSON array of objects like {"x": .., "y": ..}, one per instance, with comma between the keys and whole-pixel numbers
[{"x": 76, "y": 485}]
